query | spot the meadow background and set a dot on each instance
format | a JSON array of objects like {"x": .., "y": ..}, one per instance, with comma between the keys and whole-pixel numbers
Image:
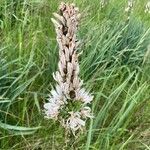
[{"x": 115, "y": 66}]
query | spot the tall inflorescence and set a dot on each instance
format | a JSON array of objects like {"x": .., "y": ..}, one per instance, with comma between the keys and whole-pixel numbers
[{"x": 68, "y": 102}]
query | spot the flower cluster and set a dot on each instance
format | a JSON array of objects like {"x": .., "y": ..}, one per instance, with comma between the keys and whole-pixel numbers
[
  {"x": 147, "y": 7},
  {"x": 129, "y": 6},
  {"x": 103, "y": 3},
  {"x": 68, "y": 102}
]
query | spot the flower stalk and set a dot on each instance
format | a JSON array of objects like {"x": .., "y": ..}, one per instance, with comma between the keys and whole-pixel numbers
[{"x": 68, "y": 102}]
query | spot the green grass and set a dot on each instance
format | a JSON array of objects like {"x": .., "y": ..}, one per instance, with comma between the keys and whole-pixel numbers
[{"x": 115, "y": 66}]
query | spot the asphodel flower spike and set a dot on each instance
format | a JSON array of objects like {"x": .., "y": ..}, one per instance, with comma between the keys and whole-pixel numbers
[{"x": 68, "y": 102}]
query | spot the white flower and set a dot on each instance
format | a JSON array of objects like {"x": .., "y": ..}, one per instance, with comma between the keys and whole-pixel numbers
[
  {"x": 84, "y": 96},
  {"x": 103, "y": 3},
  {"x": 127, "y": 9},
  {"x": 147, "y": 7},
  {"x": 86, "y": 112},
  {"x": 51, "y": 109},
  {"x": 74, "y": 122},
  {"x": 129, "y": 6},
  {"x": 130, "y": 3},
  {"x": 56, "y": 100},
  {"x": 57, "y": 95}
]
